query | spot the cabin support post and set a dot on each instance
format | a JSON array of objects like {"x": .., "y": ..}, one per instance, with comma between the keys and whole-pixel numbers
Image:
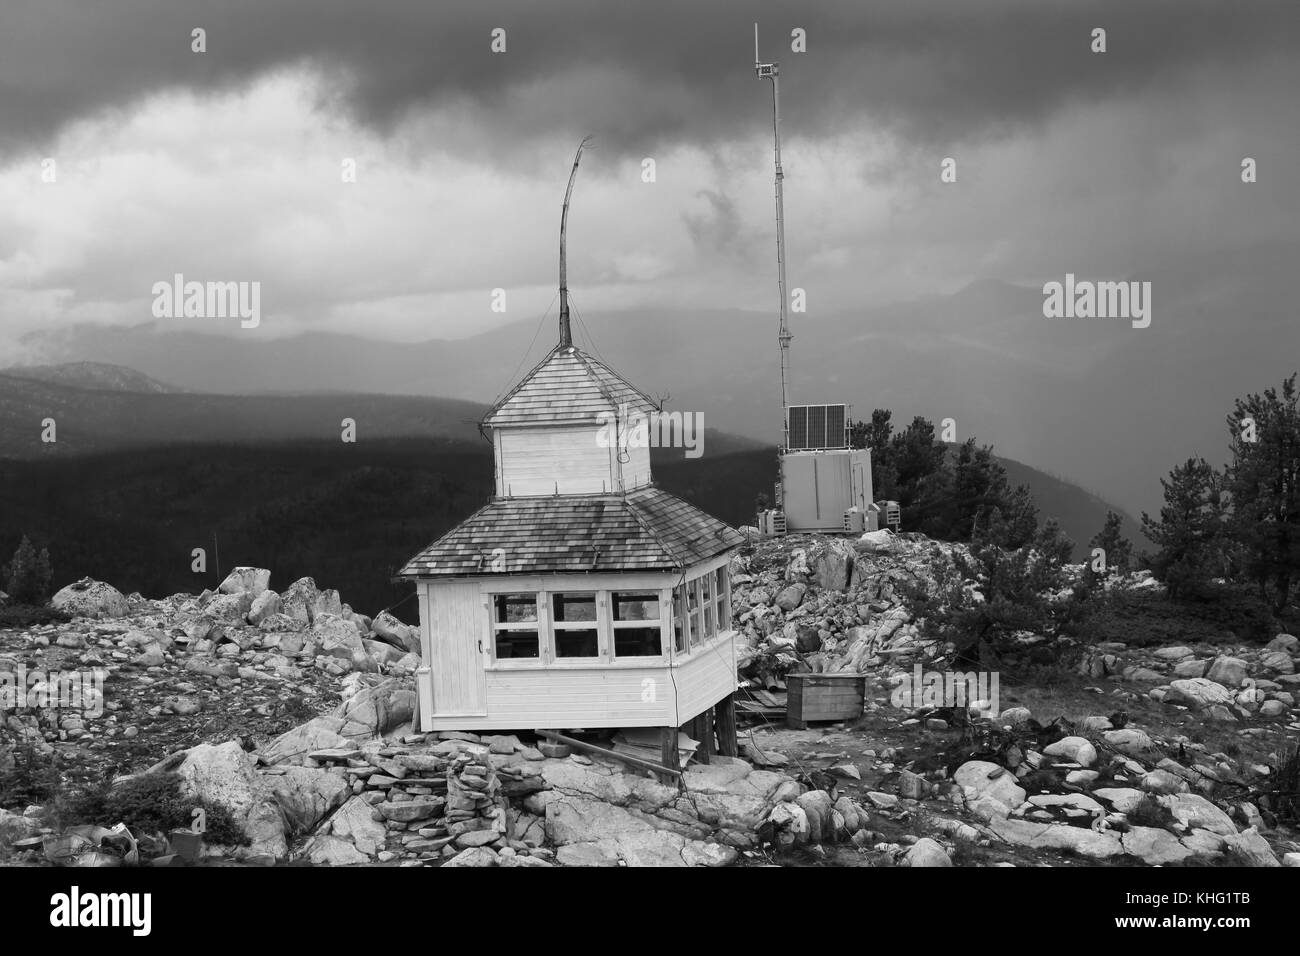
[
  {"x": 704, "y": 724},
  {"x": 668, "y": 751},
  {"x": 726, "y": 719}
]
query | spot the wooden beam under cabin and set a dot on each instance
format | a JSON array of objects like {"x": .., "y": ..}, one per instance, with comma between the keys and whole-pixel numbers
[{"x": 637, "y": 762}]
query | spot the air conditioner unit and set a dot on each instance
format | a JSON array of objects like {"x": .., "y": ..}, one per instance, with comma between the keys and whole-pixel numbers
[
  {"x": 771, "y": 522},
  {"x": 855, "y": 521}
]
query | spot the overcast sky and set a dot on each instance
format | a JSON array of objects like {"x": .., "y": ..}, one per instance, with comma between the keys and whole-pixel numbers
[{"x": 225, "y": 165}]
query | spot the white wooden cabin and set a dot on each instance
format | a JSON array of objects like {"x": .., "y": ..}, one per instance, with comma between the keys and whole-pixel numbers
[{"x": 580, "y": 596}]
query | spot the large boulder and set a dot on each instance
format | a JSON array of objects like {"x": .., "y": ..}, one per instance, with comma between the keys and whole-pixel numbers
[
  {"x": 356, "y": 822},
  {"x": 264, "y": 605},
  {"x": 1286, "y": 643},
  {"x": 926, "y": 852},
  {"x": 832, "y": 565},
  {"x": 250, "y": 580},
  {"x": 1198, "y": 813},
  {"x": 298, "y": 601},
  {"x": 306, "y": 794},
  {"x": 90, "y": 598},
  {"x": 1228, "y": 671},
  {"x": 990, "y": 782},
  {"x": 390, "y": 630},
  {"x": 1155, "y": 847},
  {"x": 232, "y": 608},
  {"x": 1134, "y": 743},
  {"x": 224, "y": 774},
  {"x": 319, "y": 733},
  {"x": 1057, "y": 836},
  {"x": 791, "y": 596},
  {"x": 336, "y": 637},
  {"x": 381, "y": 709},
  {"x": 1198, "y": 693}
]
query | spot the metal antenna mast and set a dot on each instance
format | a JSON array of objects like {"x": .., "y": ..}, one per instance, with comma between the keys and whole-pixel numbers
[
  {"x": 566, "y": 335},
  {"x": 772, "y": 72}
]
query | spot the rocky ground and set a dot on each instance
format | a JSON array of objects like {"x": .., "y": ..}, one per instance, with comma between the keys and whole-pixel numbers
[{"x": 294, "y": 712}]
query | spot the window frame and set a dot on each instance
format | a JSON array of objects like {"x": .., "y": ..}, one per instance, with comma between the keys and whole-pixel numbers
[
  {"x": 615, "y": 625},
  {"x": 538, "y": 626}
]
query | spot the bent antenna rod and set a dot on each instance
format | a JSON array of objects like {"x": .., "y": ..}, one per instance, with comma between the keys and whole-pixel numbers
[{"x": 566, "y": 335}]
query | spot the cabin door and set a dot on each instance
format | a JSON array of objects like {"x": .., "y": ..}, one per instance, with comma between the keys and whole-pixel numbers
[{"x": 459, "y": 633}]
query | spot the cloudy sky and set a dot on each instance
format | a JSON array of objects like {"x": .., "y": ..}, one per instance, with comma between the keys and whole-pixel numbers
[{"x": 226, "y": 164}]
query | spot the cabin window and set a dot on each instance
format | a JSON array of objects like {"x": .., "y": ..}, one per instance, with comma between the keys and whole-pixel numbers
[
  {"x": 709, "y": 603},
  {"x": 514, "y": 625},
  {"x": 693, "y": 611},
  {"x": 636, "y": 624},
  {"x": 722, "y": 588},
  {"x": 573, "y": 620},
  {"x": 679, "y": 621}
]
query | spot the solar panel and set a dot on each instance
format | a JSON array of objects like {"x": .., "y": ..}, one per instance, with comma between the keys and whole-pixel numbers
[{"x": 812, "y": 427}]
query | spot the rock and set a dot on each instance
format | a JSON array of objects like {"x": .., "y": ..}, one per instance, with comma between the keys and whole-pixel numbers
[
  {"x": 299, "y": 600},
  {"x": 327, "y": 602},
  {"x": 1077, "y": 801},
  {"x": 1173, "y": 653},
  {"x": 1095, "y": 725},
  {"x": 1192, "y": 668},
  {"x": 355, "y": 821},
  {"x": 336, "y": 637},
  {"x": 1123, "y": 799},
  {"x": 408, "y": 811},
  {"x": 1198, "y": 813},
  {"x": 832, "y": 565},
  {"x": 1144, "y": 675},
  {"x": 1154, "y": 847},
  {"x": 1252, "y": 848},
  {"x": 875, "y": 542},
  {"x": 1084, "y": 841},
  {"x": 319, "y": 733},
  {"x": 1272, "y": 708},
  {"x": 1286, "y": 643},
  {"x": 377, "y": 710},
  {"x": 1001, "y": 787},
  {"x": 1204, "y": 843},
  {"x": 791, "y": 596},
  {"x": 1134, "y": 743},
  {"x": 1279, "y": 662},
  {"x": 90, "y": 598},
  {"x": 1162, "y": 781},
  {"x": 1074, "y": 749},
  {"x": 817, "y": 805},
  {"x": 251, "y": 580},
  {"x": 306, "y": 795},
  {"x": 231, "y": 608},
  {"x": 1015, "y": 717},
  {"x": 1197, "y": 693},
  {"x": 1291, "y": 859},
  {"x": 332, "y": 851},
  {"x": 1081, "y": 778},
  {"x": 263, "y": 606},
  {"x": 925, "y": 852},
  {"x": 225, "y": 774},
  {"x": 390, "y": 630},
  {"x": 1228, "y": 671}
]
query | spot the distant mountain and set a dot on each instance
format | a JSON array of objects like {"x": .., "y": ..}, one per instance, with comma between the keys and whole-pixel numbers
[
  {"x": 1113, "y": 407},
  {"x": 89, "y": 421},
  {"x": 96, "y": 376}
]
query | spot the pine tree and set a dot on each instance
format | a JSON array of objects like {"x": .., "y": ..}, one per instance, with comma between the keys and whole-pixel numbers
[
  {"x": 1264, "y": 483},
  {"x": 27, "y": 577},
  {"x": 1190, "y": 531},
  {"x": 1117, "y": 550}
]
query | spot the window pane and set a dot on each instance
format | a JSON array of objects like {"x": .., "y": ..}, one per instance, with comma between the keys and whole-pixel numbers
[
  {"x": 513, "y": 645},
  {"x": 708, "y": 621},
  {"x": 693, "y": 594},
  {"x": 515, "y": 608},
  {"x": 636, "y": 607},
  {"x": 679, "y": 630},
  {"x": 706, "y": 584},
  {"x": 574, "y": 607},
  {"x": 577, "y": 643},
  {"x": 637, "y": 642},
  {"x": 721, "y": 575}
]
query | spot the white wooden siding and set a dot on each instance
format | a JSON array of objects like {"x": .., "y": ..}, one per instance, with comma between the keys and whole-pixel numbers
[
  {"x": 457, "y": 626},
  {"x": 705, "y": 677},
  {"x": 538, "y": 461}
]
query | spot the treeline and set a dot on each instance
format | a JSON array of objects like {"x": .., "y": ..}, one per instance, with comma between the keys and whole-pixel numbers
[
  {"x": 946, "y": 496},
  {"x": 1240, "y": 524}
]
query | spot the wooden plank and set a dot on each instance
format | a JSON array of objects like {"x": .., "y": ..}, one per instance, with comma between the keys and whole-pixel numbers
[
  {"x": 668, "y": 751},
  {"x": 614, "y": 755}
]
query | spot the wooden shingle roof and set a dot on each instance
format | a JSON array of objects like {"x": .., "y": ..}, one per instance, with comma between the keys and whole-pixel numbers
[
  {"x": 644, "y": 530},
  {"x": 568, "y": 387}
]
